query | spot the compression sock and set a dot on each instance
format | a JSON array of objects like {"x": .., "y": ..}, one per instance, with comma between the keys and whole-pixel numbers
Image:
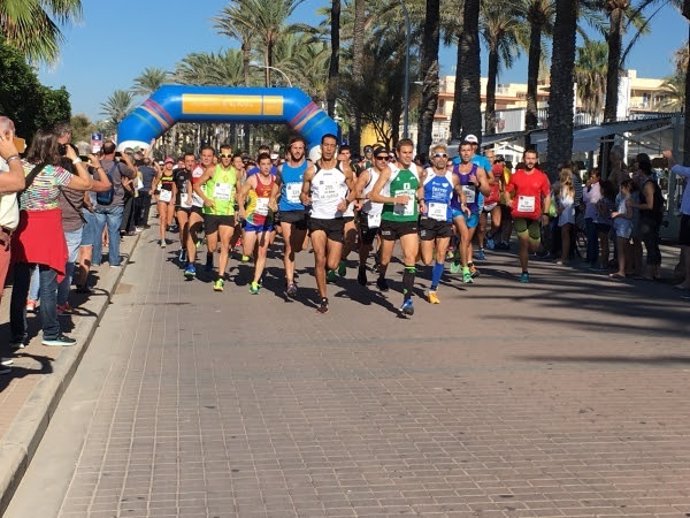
[
  {"x": 436, "y": 274},
  {"x": 408, "y": 281},
  {"x": 382, "y": 270}
]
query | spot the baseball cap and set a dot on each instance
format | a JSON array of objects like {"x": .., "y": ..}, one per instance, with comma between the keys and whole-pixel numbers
[
  {"x": 274, "y": 156},
  {"x": 169, "y": 160},
  {"x": 471, "y": 138}
]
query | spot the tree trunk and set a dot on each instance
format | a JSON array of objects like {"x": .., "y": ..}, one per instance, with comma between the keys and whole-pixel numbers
[
  {"x": 560, "y": 131},
  {"x": 686, "y": 111},
  {"x": 357, "y": 74},
  {"x": 246, "y": 58},
  {"x": 455, "y": 117},
  {"x": 531, "y": 115},
  {"x": 614, "y": 42},
  {"x": 267, "y": 63},
  {"x": 490, "y": 111},
  {"x": 396, "y": 113},
  {"x": 334, "y": 65},
  {"x": 470, "y": 94},
  {"x": 429, "y": 73}
]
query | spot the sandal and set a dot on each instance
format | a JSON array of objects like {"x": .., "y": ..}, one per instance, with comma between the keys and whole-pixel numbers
[{"x": 617, "y": 276}]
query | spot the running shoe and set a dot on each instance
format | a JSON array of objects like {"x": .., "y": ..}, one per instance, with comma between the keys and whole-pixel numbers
[
  {"x": 474, "y": 271},
  {"x": 218, "y": 285},
  {"x": 524, "y": 278},
  {"x": 182, "y": 256},
  {"x": 190, "y": 271},
  {"x": 382, "y": 284},
  {"x": 254, "y": 288},
  {"x": 407, "y": 308},
  {"x": 6, "y": 362},
  {"x": 362, "y": 276},
  {"x": 467, "y": 276},
  {"x": 331, "y": 276},
  {"x": 342, "y": 268},
  {"x": 163, "y": 243},
  {"x": 490, "y": 243},
  {"x": 455, "y": 267},
  {"x": 479, "y": 255},
  {"x": 245, "y": 258},
  {"x": 17, "y": 343},
  {"x": 323, "y": 306},
  {"x": 31, "y": 305},
  {"x": 291, "y": 290},
  {"x": 59, "y": 341},
  {"x": 432, "y": 297}
]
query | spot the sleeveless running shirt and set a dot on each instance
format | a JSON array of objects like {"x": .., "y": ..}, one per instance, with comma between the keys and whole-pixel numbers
[
  {"x": 257, "y": 210},
  {"x": 221, "y": 189},
  {"x": 328, "y": 189},
  {"x": 401, "y": 182},
  {"x": 166, "y": 188},
  {"x": 372, "y": 210},
  {"x": 438, "y": 192},
  {"x": 291, "y": 188},
  {"x": 471, "y": 191}
]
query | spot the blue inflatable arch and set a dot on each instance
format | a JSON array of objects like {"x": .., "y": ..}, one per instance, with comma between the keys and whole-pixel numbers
[{"x": 179, "y": 103}]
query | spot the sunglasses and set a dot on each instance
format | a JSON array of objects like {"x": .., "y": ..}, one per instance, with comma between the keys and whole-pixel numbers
[
  {"x": 440, "y": 155},
  {"x": 223, "y": 155},
  {"x": 382, "y": 157}
]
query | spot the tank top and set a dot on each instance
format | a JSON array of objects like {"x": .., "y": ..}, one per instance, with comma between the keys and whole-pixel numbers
[
  {"x": 166, "y": 188},
  {"x": 221, "y": 189},
  {"x": 438, "y": 192},
  {"x": 291, "y": 187},
  {"x": 401, "y": 182},
  {"x": 258, "y": 211},
  {"x": 372, "y": 210},
  {"x": 468, "y": 188},
  {"x": 328, "y": 189}
]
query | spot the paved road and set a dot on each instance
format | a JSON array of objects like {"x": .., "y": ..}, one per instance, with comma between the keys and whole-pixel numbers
[{"x": 566, "y": 397}]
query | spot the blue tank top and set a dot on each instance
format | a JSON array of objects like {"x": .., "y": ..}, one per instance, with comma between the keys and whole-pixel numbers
[
  {"x": 438, "y": 192},
  {"x": 471, "y": 191},
  {"x": 291, "y": 188}
]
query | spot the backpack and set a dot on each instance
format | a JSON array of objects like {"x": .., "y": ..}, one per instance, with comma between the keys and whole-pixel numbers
[{"x": 106, "y": 197}]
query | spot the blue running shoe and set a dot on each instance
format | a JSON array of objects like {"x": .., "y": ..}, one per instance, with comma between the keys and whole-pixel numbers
[
  {"x": 524, "y": 278},
  {"x": 407, "y": 308},
  {"x": 190, "y": 271},
  {"x": 479, "y": 255}
]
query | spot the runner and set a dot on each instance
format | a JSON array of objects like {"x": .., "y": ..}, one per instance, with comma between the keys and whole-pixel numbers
[
  {"x": 491, "y": 209},
  {"x": 400, "y": 190},
  {"x": 350, "y": 229},
  {"x": 259, "y": 230},
  {"x": 196, "y": 217},
  {"x": 293, "y": 215},
  {"x": 369, "y": 212},
  {"x": 183, "y": 202},
  {"x": 165, "y": 184},
  {"x": 218, "y": 187},
  {"x": 325, "y": 188},
  {"x": 436, "y": 223},
  {"x": 466, "y": 207},
  {"x": 528, "y": 193}
]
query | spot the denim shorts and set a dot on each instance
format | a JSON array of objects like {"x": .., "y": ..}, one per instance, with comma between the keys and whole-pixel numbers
[{"x": 90, "y": 235}]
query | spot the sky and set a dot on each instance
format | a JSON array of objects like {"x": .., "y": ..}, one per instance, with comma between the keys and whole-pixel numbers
[{"x": 115, "y": 41}]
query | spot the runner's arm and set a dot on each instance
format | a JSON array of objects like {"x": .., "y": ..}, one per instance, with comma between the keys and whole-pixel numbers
[
  {"x": 242, "y": 194},
  {"x": 208, "y": 202},
  {"x": 483, "y": 179},
  {"x": 305, "y": 195},
  {"x": 375, "y": 194}
]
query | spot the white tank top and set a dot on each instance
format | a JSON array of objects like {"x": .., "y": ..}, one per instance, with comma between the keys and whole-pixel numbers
[
  {"x": 370, "y": 207},
  {"x": 328, "y": 189}
]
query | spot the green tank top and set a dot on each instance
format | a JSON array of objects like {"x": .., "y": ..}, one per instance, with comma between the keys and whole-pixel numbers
[
  {"x": 221, "y": 189},
  {"x": 402, "y": 181}
]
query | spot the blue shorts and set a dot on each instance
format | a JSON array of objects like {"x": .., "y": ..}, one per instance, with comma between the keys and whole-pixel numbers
[
  {"x": 90, "y": 235},
  {"x": 264, "y": 227},
  {"x": 471, "y": 221}
]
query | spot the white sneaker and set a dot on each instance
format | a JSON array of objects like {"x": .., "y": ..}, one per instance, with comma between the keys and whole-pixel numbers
[{"x": 6, "y": 362}]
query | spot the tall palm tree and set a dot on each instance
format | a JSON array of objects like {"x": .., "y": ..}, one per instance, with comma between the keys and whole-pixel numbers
[
  {"x": 334, "y": 63},
  {"x": 470, "y": 94},
  {"x": 429, "y": 72},
  {"x": 229, "y": 23},
  {"x": 208, "y": 68},
  {"x": 540, "y": 17},
  {"x": 560, "y": 130},
  {"x": 590, "y": 75},
  {"x": 150, "y": 80},
  {"x": 357, "y": 66},
  {"x": 501, "y": 30},
  {"x": 33, "y": 26},
  {"x": 686, "y": 124},
  {"x": 117, "y": 106}
]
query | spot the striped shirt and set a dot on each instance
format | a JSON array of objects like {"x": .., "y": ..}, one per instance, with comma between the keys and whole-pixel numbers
[{"x": 44, "y": 191}]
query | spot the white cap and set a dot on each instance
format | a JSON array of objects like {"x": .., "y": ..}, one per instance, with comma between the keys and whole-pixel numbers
[{"x": 471, "y": 138}]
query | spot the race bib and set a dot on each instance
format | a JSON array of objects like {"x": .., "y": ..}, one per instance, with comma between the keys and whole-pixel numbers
[
  {"x": 292, "y": 192},
  {"x": 526, "y": 203},
  {"x": 262, "y": 206},
  {"x": 183, "y": 201},
  {"x": 374, "y": 220},
  {"x": 329, "y": 193},
  {"x": 223, "y": 191},
  {"x": 165, "y": 196},
  {"x": 197, "y": 200},
  {"x": 406, "y": 209},
  {"x": 437, "y": 211},
  {"x": 470, "y": 193}
]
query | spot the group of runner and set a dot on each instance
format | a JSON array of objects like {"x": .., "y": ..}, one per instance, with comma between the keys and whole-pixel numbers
[{"x": 433, "y": 211}]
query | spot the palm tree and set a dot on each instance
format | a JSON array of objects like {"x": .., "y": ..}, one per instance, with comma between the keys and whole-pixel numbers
[
  {"x": 117, "y": 106},
  {"x": 150, "y": 80},
  {"x": 334, "y": 63},
  {"x": 540, "y": 16},
  {"x": 357, "y": 66},
  {"x": 501, "y": 30},
  {"x": 686, "y": 124},
  {"x": 560, "y": 130},
  {"x": 33, "y": 26},
  {"x": 470, "y": 96},
  {"x": 429, "y": 72},
  {"x": 590, "y": 75}
]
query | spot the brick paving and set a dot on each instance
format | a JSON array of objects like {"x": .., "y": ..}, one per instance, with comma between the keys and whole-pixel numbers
[{"x": 566, "y": 397}]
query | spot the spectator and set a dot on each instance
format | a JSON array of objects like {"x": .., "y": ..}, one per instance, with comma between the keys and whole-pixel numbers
[
  {"x": 142, "y": 205},
  {"x": 651, "y": 207},
  {"x": 40, "y": 239},
  {"x": 109, "y": 212},
  {"x": 591, "y": 196},
  {"x": 603, "y": 221},
  {"x": 566, "y": 211},
  {"x": 684, "y": 234}
]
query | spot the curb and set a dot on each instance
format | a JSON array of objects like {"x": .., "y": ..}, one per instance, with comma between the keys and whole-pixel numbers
[{"x": 21, "y": 440}]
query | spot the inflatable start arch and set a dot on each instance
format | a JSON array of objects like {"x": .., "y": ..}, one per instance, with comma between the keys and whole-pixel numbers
[{"x": 178, "y": 103}]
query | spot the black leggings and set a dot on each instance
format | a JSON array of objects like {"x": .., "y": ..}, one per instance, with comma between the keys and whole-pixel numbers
[{"x": 649, "y": 234}]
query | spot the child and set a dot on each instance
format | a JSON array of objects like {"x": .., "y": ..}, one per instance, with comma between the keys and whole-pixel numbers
[
  {"x": 566, "y": 211},
  {"x": 602, "y": 221},
  {"x": 622, "y": 224}
]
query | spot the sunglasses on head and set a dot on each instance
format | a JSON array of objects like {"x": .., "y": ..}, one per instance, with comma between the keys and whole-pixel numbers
[
  {"x": 223, "y": 155},
  {"x": 440, "y": 155}
]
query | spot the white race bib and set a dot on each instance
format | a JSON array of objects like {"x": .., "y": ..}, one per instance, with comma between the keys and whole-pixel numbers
[
  {"x": 406, "y": 209},
  {"x": 223, "y": 192},
  {"x": 292, "y": 192},
  {"x": 197, "y": 200},
  {"x": 165, "y": 196},
  {"x": 437, "y": 211},
  {"x": 526, "y": 203},
  {"x": 374, "y": 220},
  {"x": 262, "y": 206},
  {"x": 470, "y": 192}
]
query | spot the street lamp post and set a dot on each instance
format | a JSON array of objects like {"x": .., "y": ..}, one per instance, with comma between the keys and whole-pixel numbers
[
  {"x": 267, "y": 67},
  {"x": 406, "y": 86}
]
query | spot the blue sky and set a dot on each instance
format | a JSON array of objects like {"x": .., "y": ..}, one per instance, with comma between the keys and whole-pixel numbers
[{"x": 115, "y": 41}]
